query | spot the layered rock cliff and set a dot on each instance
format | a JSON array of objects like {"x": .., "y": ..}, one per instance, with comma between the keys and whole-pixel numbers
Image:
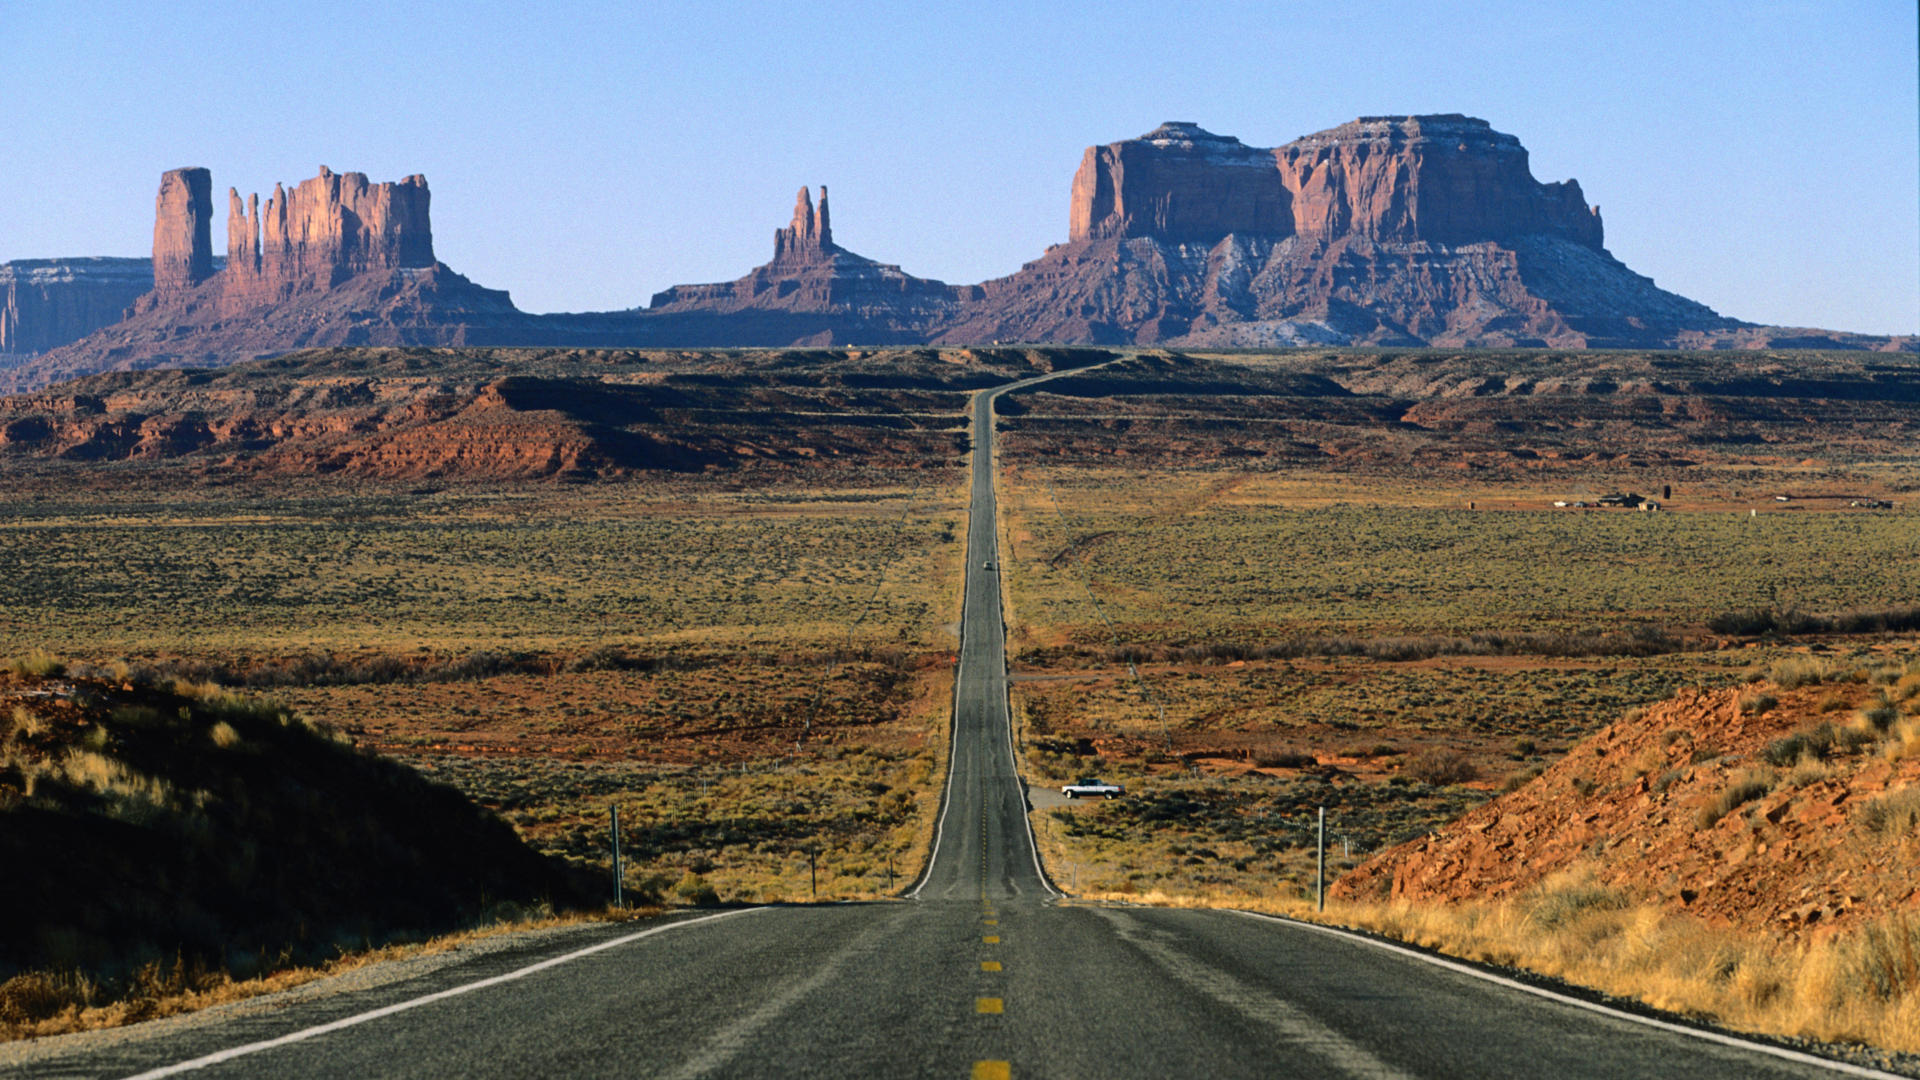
[
  {"x": 1407, "y": 230},
  {"x": 1439, "y": 179},
  {"x": 337, "y": 260},
  {"x": 47, "y": 303},
  {"x": 325, "y": 231},
  {"x": 1386, "y": 230}
]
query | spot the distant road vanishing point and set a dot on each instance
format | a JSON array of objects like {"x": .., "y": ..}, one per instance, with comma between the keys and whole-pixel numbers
[{"x": 983, "y": 969}]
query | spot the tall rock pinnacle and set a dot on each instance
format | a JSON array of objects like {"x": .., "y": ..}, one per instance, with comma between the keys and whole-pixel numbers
[
  {"x": 183, "y": 230},
  {"x": 810, "y": 236},
  {"x": 321, "y": 233}
]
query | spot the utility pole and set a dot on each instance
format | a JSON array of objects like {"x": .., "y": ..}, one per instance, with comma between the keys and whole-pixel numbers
[
  {"x": 618, "y": 900},
  {"x": 1320, "y": 886},
  {"x": 813, "y": 874}
]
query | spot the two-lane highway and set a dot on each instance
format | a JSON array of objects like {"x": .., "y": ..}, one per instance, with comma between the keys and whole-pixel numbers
[
  {"x": 983, "y": 972},
  {"x": 983, "y": 845}
]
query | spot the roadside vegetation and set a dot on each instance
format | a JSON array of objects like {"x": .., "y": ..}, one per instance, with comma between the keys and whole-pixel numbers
[
  {"x": 757, "y": 678},
  {"x": 1245, "y": 598},
  {"x": 1863, "y": 988},
  {"x": 170, "y": 838},
  {"x": 1202, "y": 561},
  {"x": 1820, "y": 942}
]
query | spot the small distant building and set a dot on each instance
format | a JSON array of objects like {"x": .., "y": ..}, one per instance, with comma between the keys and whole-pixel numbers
[
  {"x": 1783, "y": 498},
  {"x": 1619, "y": 499},
  {"x": 1648, "y": 505}
]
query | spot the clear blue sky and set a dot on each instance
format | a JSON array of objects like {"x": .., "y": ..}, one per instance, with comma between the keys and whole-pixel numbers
[{"x": 1763, "y": 158}]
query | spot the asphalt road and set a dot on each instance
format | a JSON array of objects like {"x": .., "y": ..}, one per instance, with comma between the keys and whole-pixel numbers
[{"x": 981, "y": 972}]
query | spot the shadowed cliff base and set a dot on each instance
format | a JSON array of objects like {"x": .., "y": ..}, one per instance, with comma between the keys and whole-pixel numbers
[{"x": 412, "y": 414}]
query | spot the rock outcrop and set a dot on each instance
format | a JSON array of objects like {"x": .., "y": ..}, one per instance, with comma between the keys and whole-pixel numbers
[
  {"x": 1439, "y": 179},
  {"x": 335, "y": 261},
  {"x": 182, "y": 220},
  {"x": 1178, "y": 182},
  {"x": 810, "y": 237},
  {"x": 1799, "y": 858},
  {"x": 1387, "y": 230},
  {"x": 47, "y": 303},
  {"x": 813, "y": 292},
  {"x": 324, "y": 232},
  {"x": 1402, "y": 231}
]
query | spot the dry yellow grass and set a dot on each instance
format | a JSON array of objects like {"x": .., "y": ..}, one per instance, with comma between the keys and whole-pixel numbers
[
  {"x": 37, "y": 1004},
  {"x": 1862, "y": 987}
]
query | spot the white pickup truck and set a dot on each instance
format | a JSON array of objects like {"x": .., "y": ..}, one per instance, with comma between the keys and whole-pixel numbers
[{"x": 1092, "y": 787}]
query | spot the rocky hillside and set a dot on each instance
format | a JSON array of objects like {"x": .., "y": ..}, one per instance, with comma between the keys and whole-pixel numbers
[
  {"x": 1789, "y": 807},
  {"x": 146, "y": 822},
  {"x": 420, "y": 413}
]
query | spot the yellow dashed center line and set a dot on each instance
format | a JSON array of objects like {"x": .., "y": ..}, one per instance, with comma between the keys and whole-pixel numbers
[
  {"x": 989, "y": 1005},
  {"x": 989, "y": 965},
  {"x": 992, "y": 1070},
  {"x": 991, "y": 939},
  {"x": 993, "y": 922}
]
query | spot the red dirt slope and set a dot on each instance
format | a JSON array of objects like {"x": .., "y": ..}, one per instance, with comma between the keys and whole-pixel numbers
[{"x": 1817, "y": 845}]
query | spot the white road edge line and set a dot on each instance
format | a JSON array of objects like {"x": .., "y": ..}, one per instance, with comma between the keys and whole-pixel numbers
[
  {"x": 302, "y": 1035},
  {"x": 946, "y": 794},
  {"x": 1033, "y": 842},
  {"x": 1796, "y": 1056}
]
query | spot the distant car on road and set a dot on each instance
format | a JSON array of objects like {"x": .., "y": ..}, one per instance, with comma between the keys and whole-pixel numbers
[
  {"x": 988, "y": 565},
  {"x": 1091, "y": 787}
]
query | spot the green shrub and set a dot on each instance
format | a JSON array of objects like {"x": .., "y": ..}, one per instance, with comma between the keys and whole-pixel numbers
[
  {"x": 1896, "y": 813},
  {"x": 696, "y": 890},
  {"x": 1847, "y": 740},
  {"x": 1794, "y": 672},
  {"x": 1440, "y": 767},
  {"x": 1744, "y": 789},
  {"x": 37, "y": 665},
  {"x": 1521, "y": 779},
  {"x": 1881, "y": 714},
  {"x": 1552, "y": 907},
  {"x": 1815, "y": 743}
]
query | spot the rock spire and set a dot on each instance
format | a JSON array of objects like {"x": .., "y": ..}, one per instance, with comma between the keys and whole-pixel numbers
[
  {"x": 810, "y": 236},
  {"x": 326, "y": 230},
  {"x": 182, "y": 229}
]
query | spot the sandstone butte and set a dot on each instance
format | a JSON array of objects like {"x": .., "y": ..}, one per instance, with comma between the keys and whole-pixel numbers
[
  {"x": 1626, "y": 807},
  {"x": 46, "y": 303},
  {"x": 1389, "y": 230}
]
